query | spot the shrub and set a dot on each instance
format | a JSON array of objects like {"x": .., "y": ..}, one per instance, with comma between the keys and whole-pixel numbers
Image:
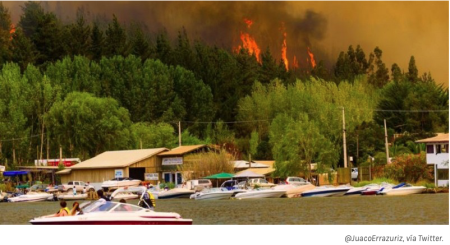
[{"x": 408, "y": 168}]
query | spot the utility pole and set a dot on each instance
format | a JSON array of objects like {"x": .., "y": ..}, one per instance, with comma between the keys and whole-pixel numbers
[
  {"x": 179, "y": 133},
  {"x": 343, "y": 132},
  {"x": 386, "y": 142}
]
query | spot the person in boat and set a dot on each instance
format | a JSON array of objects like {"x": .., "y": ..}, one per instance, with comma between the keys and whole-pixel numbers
[
  {"x": 76, "y": 210},
  {"x": 64, "y": 211},
  {"x": 148, "y": 200},
  {"x": 101, "y": 195}
]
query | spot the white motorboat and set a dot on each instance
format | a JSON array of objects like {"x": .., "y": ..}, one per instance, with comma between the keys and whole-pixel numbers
[
  {"x": 31, "y": 197},
  {"x": 212, "y": 194},
  {"x": 327, "y": 191},
  {"x": 294, "y": 190},
  {"x": 120, "y": 182},
  {"x": 174, "y": 193},
  {"x": 360, "y": 190},
  {"x": 72, "y": 196},
  {"x": 260, "y": 193},
  {"x": 103, "y": 212},
  {"x": 402, "y": 189},
  {"x": 233, "y": 185}
]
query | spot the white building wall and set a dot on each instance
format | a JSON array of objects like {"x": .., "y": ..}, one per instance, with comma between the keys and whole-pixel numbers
[{"x": 441, "y": 161}]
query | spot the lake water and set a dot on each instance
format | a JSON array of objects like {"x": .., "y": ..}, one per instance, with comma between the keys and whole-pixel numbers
[{"x": 412, "y": 209}]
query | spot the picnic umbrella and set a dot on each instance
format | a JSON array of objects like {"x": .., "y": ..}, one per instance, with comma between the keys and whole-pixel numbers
[{"x": 220, "y": 176}]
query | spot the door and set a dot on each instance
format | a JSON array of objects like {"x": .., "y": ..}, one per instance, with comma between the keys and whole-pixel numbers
[{"x": 137, "y": 173}]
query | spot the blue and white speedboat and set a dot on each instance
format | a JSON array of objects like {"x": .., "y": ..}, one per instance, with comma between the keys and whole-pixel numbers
[
  {"x": 212, "y": 194},
  {"x": 327, "y": 191}
]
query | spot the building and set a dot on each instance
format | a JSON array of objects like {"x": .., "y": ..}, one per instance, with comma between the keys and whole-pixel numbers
[
  {"x": 138, "y": 164},
  {"x": 175, "y": 157},
  {"x": 437, "y": 157}
]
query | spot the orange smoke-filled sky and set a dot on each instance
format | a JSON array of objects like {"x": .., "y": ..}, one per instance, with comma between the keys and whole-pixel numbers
[{"x": 400, "y": 29}]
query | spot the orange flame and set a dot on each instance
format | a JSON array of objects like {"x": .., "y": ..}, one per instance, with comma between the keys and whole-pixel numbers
[
  {"x": 249, "y": 43},
  {"x": 295, "y": 65},
  {"x": 284, "y": 52},
  {"x": 311, "y": 56},
  {"x": 248, "y": 22},
  {"x": 12, "y": 31}
]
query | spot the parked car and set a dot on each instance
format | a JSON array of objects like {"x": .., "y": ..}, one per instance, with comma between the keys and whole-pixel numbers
[
  {"x": 354, "y": 173},
  {"x": 199, "y": 184},
  {"x": 259, "y": 182},
  {"x": 295, "y": 181},
  {"x": 80, "y": 186}
]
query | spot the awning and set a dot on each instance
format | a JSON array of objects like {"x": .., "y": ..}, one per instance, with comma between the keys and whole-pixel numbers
[
  {"x": 220, "y": 176},
  {"x": 14, "y": 173},
  {"x": 64, "y": 171}
]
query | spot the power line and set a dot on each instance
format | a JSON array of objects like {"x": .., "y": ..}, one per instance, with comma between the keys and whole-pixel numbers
[{"x": 14, "y": 139}]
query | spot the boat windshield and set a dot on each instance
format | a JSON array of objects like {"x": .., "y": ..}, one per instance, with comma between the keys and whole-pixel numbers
[
  {"x": 99, "y": 206},
  {"x": 124, "y": 207}
]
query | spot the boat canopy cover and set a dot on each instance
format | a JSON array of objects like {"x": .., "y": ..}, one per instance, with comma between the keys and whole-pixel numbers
[
  {"x": 220, "y": 176},
  {"x": 14, "y": 173}
]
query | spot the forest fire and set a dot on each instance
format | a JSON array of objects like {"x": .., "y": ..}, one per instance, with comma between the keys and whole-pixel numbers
[
  {"x": 311, "y": 56},
  {"x": 12, "y": 31},
  {"x": 249, "y": 43},
  {"x": 284, "y": 52}
]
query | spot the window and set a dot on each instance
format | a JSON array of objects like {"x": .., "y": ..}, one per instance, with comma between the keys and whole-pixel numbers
[
  {"x": 442, "y": 174},
  {"x": 430, "y": 149},
  {"x": 70, "y": 183},
  {"x": 438, "y": 149},
  {"x": 445, "y": 148}
]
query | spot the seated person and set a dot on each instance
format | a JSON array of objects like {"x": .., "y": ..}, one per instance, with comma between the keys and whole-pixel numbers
[
  {"x": 64, "y": 211},
  {"x": 76, "y": 210}
]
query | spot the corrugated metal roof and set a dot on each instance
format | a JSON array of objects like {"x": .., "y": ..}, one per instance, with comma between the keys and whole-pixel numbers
[
  {"x": 266, "y": 162},
  {"x": 254, "y": 172},
  {"x": 245, "y": 164},
  {"x": 435, "y": 139},
  {"x": 181, "y": 150},
  {"x": 117, "y": 159}
]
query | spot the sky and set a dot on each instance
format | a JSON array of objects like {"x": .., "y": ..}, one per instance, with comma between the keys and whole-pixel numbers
[{"x": 399, "y": 29}]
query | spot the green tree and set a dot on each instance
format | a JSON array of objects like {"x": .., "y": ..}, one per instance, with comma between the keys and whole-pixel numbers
[
  {"x": 396, "y": 72},
  {"x": 148, "y": 135},
  {"x": 96, "y": 48},
  {"x": 413, "y": 73},
  {"x": 380, "y": 77},
  {"x": 116, "y": 39},
  {"x": 139, "y": 43},
  {"x": 31, "y": 17},
  {"x": 297, "y": 144},
  {"x": 23, "y": 50},
  {"x": 254, "y": 142},
  {"x": 5, "y": 35},
  {"x": 86, "y": 126},
  {"x": 78, "y": 36}
]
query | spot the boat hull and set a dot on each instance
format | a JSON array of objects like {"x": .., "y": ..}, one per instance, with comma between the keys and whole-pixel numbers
[
  {"x": 72, "y": 197},
  {"x": 30, "y": 198},
  {"x": 214, "y": 196},
  {"x": 175, "y": 193},
  {"x": 403, "y": 191},
  {"x": 329, "y": 192},
  {"x": 115, "y": 222},
  {"x": 260, "y": 194},
  {"x": 294, "y": 190}
]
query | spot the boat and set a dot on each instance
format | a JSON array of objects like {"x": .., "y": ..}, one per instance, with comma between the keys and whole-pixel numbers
[
  {"x": 72, "y": 196},
  {"x": 234, "y": 186},
  {"x": 126, "y": 196},
  {"x": 327, "y": 191},
  {"x": 402, "y": 189},
  {"x": 31, "y": 197},
  {"x": 212, "y": 194},
  {"x": 120, "y": 182},
  {"x": 260, "y": 193},
  {"x": 294, "y": 190},
  {"x": 374, "y": 190},
  {"x": 359, "y": 190},
  {"x": 174, "y": 193},
  {"x": 102, "y": 212}
]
